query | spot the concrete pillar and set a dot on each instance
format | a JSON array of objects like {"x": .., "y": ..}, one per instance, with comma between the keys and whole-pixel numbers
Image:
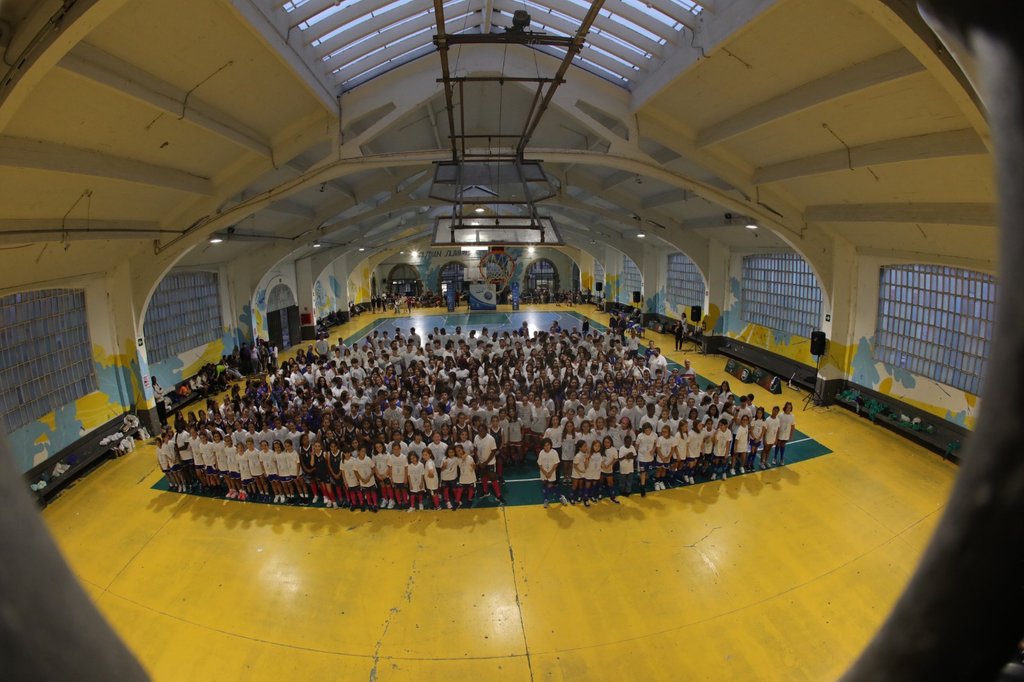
[
  {"x": 720, "y": 296},
  {"x": 839, "y": 315},
  {"x": 653, "y": 270},
  {"x": 304, "y": 296},
  {"x": 128, "y": 347}
]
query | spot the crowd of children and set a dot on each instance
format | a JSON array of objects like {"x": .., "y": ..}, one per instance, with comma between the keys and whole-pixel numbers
[{"x": 402, "y": 422}]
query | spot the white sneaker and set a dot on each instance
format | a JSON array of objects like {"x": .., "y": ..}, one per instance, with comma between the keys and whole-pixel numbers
[
  {"x": 725, "y": 475},
  {"x": 421, "y": 506},
  {"x": 565, "y": 502},
  {"x": 316, "y": 498},
  {"x": 545, "y": 504},
  {"x": 391, "y": 504},
  {"x": 742, "y": 470},
  {"x": 732, "y": 472},
  {"x": 714, "y": 477},
  {"x": 448, "y": 505},
  {"x": 411, "y": 510}
]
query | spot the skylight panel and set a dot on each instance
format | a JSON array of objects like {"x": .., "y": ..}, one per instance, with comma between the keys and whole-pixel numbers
[
  {"x": 320, "y": 16},
  {"x": 623, "y": 21},
  {"x": 391, "y": 27},
  {"x": 653, "y": 13},
  {"x": 620, "y": 42},
  {"x": 341, "y": 29},
  {"x": 691, "y": 7},
  {"x": 609, "y": 55}
]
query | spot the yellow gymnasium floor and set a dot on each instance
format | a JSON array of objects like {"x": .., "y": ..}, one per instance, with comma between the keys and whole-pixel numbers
[{"x": 780, "y": 575}]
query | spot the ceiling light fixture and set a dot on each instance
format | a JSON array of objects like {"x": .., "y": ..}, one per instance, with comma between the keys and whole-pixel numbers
[
  {"x": 361, "y": 249},
  {"x": 751, "y": 225},
  {"x": 414, "y": 253},
  {"x": 479, "y": 209},
  {"x": 216, "y": 240},
  {"x": 640, "y": 235},
  {"x": 316, "y": 245},
  {"x": 531, "y": 250}
]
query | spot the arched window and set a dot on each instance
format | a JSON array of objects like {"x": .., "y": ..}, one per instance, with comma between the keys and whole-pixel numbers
[
  {"x": 631, "y": 280},
  {"x": 541, "y": 274},
  {"x": 280, "y": 297},
  {"x": 452, "y": 277},
  {"x": 183, "y": 314},
  {"x": 576, "y": 276},
  {"x": 937, "y": 322},
  {"x": 684, "y": 283},
  {"x": 781, "y": 292},
  {"x": 404, "y": 280},
  {"x": 598, "y": 273},
  {"x": 45, "y": 354}
]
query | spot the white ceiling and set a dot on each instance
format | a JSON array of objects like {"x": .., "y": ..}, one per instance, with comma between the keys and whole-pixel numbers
[{"x": 825, "y": 120}]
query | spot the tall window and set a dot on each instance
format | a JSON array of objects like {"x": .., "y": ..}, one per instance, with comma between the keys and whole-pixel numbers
[
  {"x": 452, "y": 276},
  {"x": 45, "y": 354},
  {"x": 598, "y": 273},
  {"x": 937, "y": 322},
  {"x": 183, "y": 314},
  {"x": 685, "y": 284},
  {"x": 781, "y": 292},
  {"x": 541, "y": 274},
  {"x": 631, "y": 279}
]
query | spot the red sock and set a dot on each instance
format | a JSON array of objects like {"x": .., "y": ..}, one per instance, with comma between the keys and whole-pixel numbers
[
  {"x": 458, "y": 494},
  {"x": 436, "y": 499},
  {"x": 472, "y": 491},
  {"x": 373, "y": 498},
  {"x": 497, "y": 487},
  {"x": 447, "y": 497},
  {"x": 328, "y": 493}
]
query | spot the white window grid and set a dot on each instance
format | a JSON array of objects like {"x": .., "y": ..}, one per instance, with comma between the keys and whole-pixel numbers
[
  {"x": 453, "y": 274},
  {"x": 45, "y": 354},
  {"x": 937, "y": 322},
  {"x": 631, "y": 279},
  {"x": 598, "y": 273},
  {"x": 684, "y": 283},
  {"x": 183, "y": 314},
  {"x": 542, "y": 274},
  {"x": 780, "y": 292}
]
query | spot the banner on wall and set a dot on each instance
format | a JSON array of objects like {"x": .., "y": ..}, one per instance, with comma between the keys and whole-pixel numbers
[
  {"x": 482, "y": 296},
  {"x": 450, "y": 295},
  {"x": 514, "y": 292}
]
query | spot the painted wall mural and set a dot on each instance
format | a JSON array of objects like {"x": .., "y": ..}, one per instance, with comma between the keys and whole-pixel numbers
[
  {"x": 174, "y": 370},
  {"x": 119, "y": 389}
]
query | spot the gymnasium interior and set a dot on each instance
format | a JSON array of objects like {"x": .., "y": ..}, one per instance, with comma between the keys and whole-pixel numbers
[{"x": 808, "y": 187}]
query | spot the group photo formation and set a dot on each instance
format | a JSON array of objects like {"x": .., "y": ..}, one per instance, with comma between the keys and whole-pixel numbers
[
  {"x": 402, "y": 421},
  {"x": 510, "y": 340}
]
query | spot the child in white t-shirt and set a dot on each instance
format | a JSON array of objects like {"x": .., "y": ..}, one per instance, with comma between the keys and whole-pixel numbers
[{"x": 547, "y": 462}]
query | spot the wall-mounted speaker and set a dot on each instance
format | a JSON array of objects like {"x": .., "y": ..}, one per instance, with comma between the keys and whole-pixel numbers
[
  {"x": 818, "y": 343},
  {"x": 636, "y": 297},
  {"x": 696, "y": 313},
  {"x": 598, "y": 286}
]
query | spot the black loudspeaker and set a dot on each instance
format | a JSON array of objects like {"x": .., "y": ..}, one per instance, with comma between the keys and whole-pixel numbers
[
  {"x": 818, "y": 343},
  {"x": 696, "y": 313},
  {"x": 636, "y": 297},
  {"x": 598, "y": 286}
]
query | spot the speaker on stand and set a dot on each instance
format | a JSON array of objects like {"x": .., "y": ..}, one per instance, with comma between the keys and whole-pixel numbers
[{"x": 818, "y": 346}]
